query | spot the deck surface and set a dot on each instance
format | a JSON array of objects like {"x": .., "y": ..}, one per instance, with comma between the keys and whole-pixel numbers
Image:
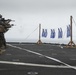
[{"x": 33, "y": 59}]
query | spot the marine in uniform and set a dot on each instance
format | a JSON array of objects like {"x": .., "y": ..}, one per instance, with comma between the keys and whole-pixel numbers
[{"x": 4, "y": 27}]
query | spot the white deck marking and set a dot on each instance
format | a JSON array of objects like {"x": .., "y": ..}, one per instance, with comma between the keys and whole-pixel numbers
[
  {"x": 8, "y": 54},
  {"x": 32, "y": 73},
  {"x": 15, "y": 60},
  {"x": 36, "y": 65},
  {"x": 72, "y": 59},
  {"x": 51, "y": 58}
]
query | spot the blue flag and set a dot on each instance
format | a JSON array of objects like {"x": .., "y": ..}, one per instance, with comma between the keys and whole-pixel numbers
[
  {"x": 60, "y": 33},
  {"x": 52, "y": 33},
  {"x": 44, "y": 32},
  {"x": 68, "y": 31}
]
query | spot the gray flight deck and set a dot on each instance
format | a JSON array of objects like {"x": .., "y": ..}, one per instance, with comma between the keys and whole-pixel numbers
[{"x": 34, "y": 59}]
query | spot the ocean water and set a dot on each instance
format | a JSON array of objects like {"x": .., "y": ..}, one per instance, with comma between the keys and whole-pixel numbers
[{"x": 58, "y": 41}]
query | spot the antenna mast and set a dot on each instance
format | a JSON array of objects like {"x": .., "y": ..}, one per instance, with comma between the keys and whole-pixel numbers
[
  {"x": 71, "y": 43},
  {"x": 39, "y": 41}
]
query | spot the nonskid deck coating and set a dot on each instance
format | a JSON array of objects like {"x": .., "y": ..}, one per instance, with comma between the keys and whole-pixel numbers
[{"x": 55, "y": 51}]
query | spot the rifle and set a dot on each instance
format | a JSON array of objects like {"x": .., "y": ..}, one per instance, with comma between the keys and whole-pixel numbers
[{"x": 7, "y": 20}]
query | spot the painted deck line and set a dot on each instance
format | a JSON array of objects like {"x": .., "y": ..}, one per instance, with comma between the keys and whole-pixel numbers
[
  {"x": 32, "y": 64},
  {"x": 51, "y": 58}
]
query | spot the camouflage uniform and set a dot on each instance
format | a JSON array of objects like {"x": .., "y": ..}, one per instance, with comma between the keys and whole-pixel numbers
[
  {"x": 2, "y": 38},
  {"x": 4, "y": 27}
]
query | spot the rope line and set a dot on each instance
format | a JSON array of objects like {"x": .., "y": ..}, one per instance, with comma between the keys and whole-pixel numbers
[
  {"x": 74, "y": 21},
  {"x": 31, "y": 33}
]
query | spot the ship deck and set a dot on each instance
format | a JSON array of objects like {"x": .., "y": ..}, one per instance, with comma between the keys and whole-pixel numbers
[{"x": 34, "y": 59}]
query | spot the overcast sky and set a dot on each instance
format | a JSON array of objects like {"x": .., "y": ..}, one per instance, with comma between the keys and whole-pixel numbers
[
  {"x": 29, "y": 13},
  {"x": 34, "y": 4}
]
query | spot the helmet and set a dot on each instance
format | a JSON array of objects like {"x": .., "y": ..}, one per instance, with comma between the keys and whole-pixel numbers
[{"x": 0, "y": 16}]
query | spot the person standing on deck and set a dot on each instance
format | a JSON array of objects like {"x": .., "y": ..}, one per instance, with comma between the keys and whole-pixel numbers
[
  {"x": 4, "y": 27},
  {"x": 2, "y": 38}
]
